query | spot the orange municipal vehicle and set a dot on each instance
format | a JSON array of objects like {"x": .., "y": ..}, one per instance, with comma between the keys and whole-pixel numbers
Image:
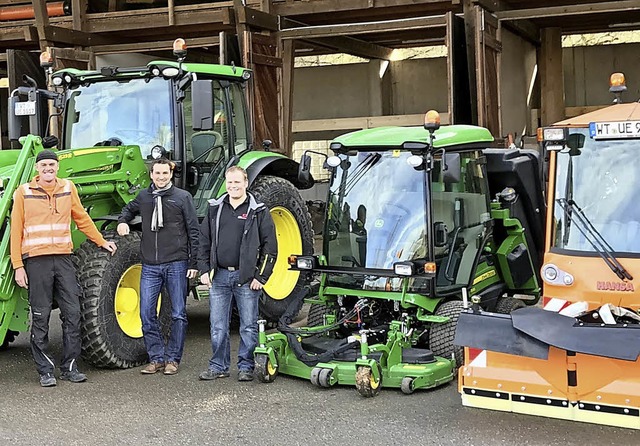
[{"x": 576, "y": 356}]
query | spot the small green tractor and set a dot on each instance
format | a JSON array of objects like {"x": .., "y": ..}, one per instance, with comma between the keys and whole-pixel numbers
[
  {"x": 416, "y": 220},
  {"x": 114, "y": 122}
]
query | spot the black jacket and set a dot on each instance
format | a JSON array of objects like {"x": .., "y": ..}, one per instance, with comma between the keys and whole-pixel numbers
[
  {"x": 258, "y": 247},
  {"x": 178, "y": 238}
]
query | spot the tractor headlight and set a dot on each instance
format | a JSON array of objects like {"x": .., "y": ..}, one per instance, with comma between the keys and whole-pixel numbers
[
  {"x": 550, "y": 273},
  {"x": 170, "y": 72},
  {"x": 415, "y": 160},
  {"x": 57, "y": 81},
  {"x": 333, "y": 161},
  {"x": 305, "y": 262},
  {"x": 404, "y": 268},
  {"x": 246, "y": 75},
  {"x": 158, "y": 152}
]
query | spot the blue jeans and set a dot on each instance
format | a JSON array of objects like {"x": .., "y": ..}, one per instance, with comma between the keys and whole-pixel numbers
[
  {"x": 172, "y": 276},
  {"x": 224, "y": 290}
]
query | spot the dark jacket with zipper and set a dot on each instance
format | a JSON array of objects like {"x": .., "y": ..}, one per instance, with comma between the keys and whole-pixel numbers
[
  {"x": 258, "y": 247},
  {"x": 178, "y": 238}
]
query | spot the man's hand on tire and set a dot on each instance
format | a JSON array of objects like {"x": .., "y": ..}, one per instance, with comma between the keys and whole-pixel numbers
[{"x": 110, "y": 246}]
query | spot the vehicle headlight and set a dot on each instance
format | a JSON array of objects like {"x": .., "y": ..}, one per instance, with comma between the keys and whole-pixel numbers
[
  {"x": 403, "y": 268},
  {"x": 158, "y": 152},
  {"x": 305, "y": 262},
  {"x": 553, "y": 134},
  {"x": 550, "y": 273},
  {"x": 170, "y": 72}
]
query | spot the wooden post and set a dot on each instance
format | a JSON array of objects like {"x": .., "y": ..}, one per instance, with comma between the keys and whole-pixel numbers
[
  {"x": 551, "y": 76},
  {"x": 470, "y": 35},
  {"x": 286, "y": 93}
]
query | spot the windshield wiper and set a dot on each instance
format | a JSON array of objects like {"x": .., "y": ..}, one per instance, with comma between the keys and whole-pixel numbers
[{"x": 594, "y": 237}]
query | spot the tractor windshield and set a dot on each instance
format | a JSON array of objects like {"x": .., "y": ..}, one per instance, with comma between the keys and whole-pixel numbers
[
  {"x": 133, "y": 112},
  {"x": 377, "y": 211},
  {"x": 601, "y": 178}
]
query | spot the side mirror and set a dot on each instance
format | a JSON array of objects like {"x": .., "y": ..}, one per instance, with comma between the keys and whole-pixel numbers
[
  {"x": 575, "y": 142},
  {"x": 202, "y": 104},
  {"x": 451, "y": 170},
  {"x": 192, "y": 176},
  {"x": 304, "y": 170},
  {"x": 440, "y": 234},
  {"x": 14, "y": 122}
]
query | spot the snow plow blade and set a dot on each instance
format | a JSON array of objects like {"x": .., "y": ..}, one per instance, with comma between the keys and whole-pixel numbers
[{"x": 543, "y": 363}]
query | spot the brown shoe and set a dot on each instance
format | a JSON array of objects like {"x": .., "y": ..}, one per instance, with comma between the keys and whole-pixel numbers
[
  {"x": 152, "y": 368},
  {"x": 171, "y": 368}
]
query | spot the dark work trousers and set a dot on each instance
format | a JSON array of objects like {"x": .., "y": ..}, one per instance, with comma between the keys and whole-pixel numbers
[{"x": 46, "y": 274}]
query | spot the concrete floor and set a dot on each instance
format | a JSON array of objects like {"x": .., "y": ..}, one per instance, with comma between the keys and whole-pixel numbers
[{"x": 123, "y": 407}]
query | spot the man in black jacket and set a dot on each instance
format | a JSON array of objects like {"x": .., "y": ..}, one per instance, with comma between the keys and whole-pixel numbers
[
  {"x": 169, "y": 250},
  {"x": 236, "y": 257}
]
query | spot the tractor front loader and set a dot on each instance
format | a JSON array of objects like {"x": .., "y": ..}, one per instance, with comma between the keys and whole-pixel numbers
[
  {"x": 116, "y": 121},
  {"x": 410, "y": 228},
  {"x": 577, "y": 357}
]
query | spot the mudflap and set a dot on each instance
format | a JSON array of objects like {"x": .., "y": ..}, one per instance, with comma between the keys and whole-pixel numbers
[{"x": 505, "y": 368}]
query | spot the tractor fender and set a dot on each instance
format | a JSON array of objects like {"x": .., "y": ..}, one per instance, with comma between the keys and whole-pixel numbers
[{"x": 278, "y": 166}]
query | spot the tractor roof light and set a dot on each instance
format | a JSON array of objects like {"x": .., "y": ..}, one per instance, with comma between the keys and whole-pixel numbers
[
  {"x": 430, "y": 268},
  {"x": 46, "y": 61},
  {"x": 617, "y": 83},
  {"x": 180, "y": 48},
  {"x": 333, "y": 161},
  {"x": 415, "y": 160},
  {"x": 158, "y": 152},
  {"x": 553, "y": 134},
  {"x": 57, "y": 81},
  {"x": 170, "y": 72},
  {"x": 432, "y": 120},
  {"x": 246, "y": 75}
]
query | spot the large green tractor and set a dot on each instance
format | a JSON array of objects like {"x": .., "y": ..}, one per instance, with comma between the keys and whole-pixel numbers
[
  {"x": 416, "y": 219},
  {"x": 114, "y": 122}
]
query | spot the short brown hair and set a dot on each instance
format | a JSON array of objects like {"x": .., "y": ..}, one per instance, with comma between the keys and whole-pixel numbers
[
  {"x": 171, "y": 164},
  {"x": 237, "y": 169}
]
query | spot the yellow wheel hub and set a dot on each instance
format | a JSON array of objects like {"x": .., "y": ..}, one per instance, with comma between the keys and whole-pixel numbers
[
  {"x": 282, "y": 281},
  {"x": 270, "y": 369},
  {"x": 127, "y": 302}
]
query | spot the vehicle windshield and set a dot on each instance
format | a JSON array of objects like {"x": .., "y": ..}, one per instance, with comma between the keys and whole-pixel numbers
[
  {"x": 601, "y": 178},
  {"x": 377, "y": 211},
  {"x": 135, "y": 112}
]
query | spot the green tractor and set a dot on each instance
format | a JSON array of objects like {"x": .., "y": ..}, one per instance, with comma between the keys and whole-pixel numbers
[
  {"x": 114, "y": 122},
  {"x": 416, "y": 220}
]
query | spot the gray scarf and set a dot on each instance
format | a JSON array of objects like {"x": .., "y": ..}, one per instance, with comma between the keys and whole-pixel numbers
[{"x": 157, "y": 219}]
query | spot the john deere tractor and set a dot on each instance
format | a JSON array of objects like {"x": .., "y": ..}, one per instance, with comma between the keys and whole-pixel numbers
[
  {"x": 114, "y": 122},
  {"x": 417, "y": 218}
]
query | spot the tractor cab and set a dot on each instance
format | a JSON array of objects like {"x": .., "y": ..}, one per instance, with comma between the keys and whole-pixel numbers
[{"x": 399, "y": 208}]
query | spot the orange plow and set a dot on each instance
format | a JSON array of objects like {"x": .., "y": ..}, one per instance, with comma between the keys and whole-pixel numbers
[{"x": 515, "y": 371}]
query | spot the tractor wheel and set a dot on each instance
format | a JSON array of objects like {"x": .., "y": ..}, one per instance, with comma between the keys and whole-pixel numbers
[
  {"x": 111, "y": 325},
  {"x": 315, "y": 376},
  {"x": 295, "y": 236},
  {"x": 324, "y": 379},
  {"x": 266, "y": 372},
  {"x": 366, "y": 384},
  {"x": 506, "y": 305},
  {"x": 441, "y": 334},
  {"x": 9, "y": 337},
  {"x": 315, "y": 318},
  {"x": 407, "y": 385}
]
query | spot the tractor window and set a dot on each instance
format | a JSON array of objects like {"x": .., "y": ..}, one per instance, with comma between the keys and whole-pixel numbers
[
  {"x": 463, "y": 207},
  {"x": 208, "y": 151},
  {"x": 376, "y": 213},
  {"x": 136, "y": 112},
  {"x": 602, "y": 179},
  {"x": 240, "y": 118}
]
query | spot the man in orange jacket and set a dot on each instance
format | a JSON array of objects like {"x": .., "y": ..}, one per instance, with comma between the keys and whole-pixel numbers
[{"x": 41, "y": 248}]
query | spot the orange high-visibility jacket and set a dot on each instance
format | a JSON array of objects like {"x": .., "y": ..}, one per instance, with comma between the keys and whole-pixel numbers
[{"x": 41, "y": 220}]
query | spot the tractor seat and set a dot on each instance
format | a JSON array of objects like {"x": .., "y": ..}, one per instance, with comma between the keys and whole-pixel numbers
[{"x": 202, "y": 142}]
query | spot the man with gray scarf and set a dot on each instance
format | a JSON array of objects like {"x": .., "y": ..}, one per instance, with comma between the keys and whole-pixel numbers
[{"x": 169, "y": 247}]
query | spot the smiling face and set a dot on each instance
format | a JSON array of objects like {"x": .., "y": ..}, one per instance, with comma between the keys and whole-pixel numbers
[
  {"x": 161, "y": 175},
  {"x": 47, "y": 170},
  {"x": 236, "y": 184}
]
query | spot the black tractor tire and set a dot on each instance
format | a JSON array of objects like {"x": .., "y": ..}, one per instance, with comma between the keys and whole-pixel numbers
[
  {"x": 9, "y": 337},
  {"x": 316, "y": 314},
  {"x": 506, "y": 305},
  {"x": 278, "y": 192},
  {"x": 441, "y": 334},
  {"x": 104, "y": 343}
]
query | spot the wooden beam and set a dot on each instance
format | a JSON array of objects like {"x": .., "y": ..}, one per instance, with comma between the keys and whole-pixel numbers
[
  {"x": 551, "y": 75},
  {"x": 354, "y": 47},
  {"x": 41, "y": 20},
  {"x": 68, "y": 36},
  {"x": 71, "y": 54},
  {"x": 523, "y": 28},
  {"x": 78, "y": 14},
  {"x": 153, "y": 46},
  {"x": 581, "y": 9},
  {"x": 330, "y": 6},
  {"x": 363, "y": 28},
  {"x": 362, "y": 122},
  {"x": 257, "y": 19}
]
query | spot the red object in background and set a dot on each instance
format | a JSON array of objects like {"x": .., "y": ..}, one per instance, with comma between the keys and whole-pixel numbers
[{"x": 54, "y": 9}]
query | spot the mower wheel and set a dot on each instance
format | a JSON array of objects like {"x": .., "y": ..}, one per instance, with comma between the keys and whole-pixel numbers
[
  {"x": 265, "y": 371},
  {"x": 506, "y": 305},
  {"x": 366, "y": 384},
  {"x": 315, "y": 376},
  {"x": 9, "y": 337},
  {"x": 325, "y": 377},
  {"x": 441, "y": 334},
  {"x": 407, "y": 385}
]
